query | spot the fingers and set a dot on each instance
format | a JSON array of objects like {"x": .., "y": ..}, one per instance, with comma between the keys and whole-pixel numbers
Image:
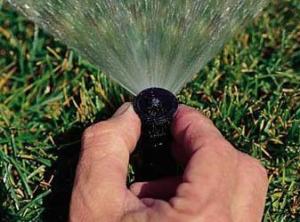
[
  {"x": 251, "y": 190},
  {"x": 124, "y": 127},
  {"x": 210, "y": 161},
  {"x": 215, "y": 172},
  {"x": 191, "y": 130},
  {"x": 162, "y": 189},
  {"x": 100, "y": 185},
  {"x": 106, "y": 147},
  {"x": 114, "y": 139}
]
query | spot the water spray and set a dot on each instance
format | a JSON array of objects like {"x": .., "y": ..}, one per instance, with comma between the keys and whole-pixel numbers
[
  {"x": 156, "y": 108},
  {"x": 143, "y": 43}
]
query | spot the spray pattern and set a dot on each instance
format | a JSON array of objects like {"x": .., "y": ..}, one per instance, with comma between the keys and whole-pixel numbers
[{"x": 143, "y": 43}]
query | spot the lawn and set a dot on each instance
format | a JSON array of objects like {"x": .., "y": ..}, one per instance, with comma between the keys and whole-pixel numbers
[{"x": 48, "y": 95}]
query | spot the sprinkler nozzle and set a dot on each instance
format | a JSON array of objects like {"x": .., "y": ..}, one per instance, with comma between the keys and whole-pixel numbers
[{"x": 156, "y": 108}]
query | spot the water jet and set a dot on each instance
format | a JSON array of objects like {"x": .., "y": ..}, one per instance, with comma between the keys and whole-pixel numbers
[{"x": 151, "y": 48}]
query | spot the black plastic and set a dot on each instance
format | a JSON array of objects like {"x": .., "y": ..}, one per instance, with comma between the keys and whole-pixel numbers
[{"x": 156, "y": 108}]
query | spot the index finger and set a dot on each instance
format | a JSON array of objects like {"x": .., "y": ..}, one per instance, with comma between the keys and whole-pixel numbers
[
  {"x": 210, "y": 160},
  {"x": 191, "y": 131}
]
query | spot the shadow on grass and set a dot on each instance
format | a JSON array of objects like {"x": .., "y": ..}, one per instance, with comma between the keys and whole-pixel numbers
[{"x": 57, "y": 203}]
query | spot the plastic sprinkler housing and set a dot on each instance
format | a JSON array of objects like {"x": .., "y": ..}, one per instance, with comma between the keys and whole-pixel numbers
[{"x": 156, "y": 108}]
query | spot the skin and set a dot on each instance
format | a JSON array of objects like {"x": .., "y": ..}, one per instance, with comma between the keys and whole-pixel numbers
[{"x": 219, "y": 183}]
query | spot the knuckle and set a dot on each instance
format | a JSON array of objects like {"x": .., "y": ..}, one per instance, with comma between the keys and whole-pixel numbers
[
  {"x": 263, "y": 173},
  {"x": 207, "y": 120},
  {"x": 222, "y": 144},
  {"x": 105, "y": 135},
  {"x": 88, "y": 132},
  {"x": 258, "y": 169},
  {"x": 101, "y": 132},
  {"x": 96, "y": 130},
  {"x": 219, "y": 145}
]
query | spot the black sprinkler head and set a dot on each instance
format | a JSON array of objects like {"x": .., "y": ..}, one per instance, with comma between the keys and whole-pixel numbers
[{"x": 156, "y": 108}]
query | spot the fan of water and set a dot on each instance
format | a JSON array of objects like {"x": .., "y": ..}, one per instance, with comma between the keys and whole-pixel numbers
[{"x": 143, "y": 43}]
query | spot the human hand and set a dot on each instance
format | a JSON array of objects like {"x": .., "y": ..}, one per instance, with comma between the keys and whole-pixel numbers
[{"x": 219, "y": 182}]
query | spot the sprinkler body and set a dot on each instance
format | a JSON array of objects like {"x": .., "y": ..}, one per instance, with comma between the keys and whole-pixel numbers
[{"x": 156, "y": 108}]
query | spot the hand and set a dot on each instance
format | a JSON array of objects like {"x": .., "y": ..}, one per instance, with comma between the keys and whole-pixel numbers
[{"x": 219, "y": 182}]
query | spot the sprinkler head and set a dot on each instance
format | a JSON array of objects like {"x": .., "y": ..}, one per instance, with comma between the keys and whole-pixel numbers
[{"x": 156, "y": 108}]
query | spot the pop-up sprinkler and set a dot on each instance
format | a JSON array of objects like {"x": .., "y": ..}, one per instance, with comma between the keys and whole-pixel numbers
[{"x": 156, "y": 108}]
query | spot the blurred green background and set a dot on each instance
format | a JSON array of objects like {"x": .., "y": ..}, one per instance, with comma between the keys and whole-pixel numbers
[{"x": 48, "y": 95}]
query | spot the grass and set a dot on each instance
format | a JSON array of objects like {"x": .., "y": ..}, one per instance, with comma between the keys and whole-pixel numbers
[{"x": 48, "y": 95}]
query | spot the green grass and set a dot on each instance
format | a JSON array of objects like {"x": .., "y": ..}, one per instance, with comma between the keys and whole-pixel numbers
[{"x": 48, "y": 95}]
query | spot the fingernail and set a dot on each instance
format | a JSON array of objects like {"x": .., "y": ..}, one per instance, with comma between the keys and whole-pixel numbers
[{"x": 123, "y": 109}]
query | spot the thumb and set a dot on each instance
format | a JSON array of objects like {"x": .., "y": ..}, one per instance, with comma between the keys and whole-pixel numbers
[
  {"x": 100, "y": 181},
  {"x": 107, "y": 145}
]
